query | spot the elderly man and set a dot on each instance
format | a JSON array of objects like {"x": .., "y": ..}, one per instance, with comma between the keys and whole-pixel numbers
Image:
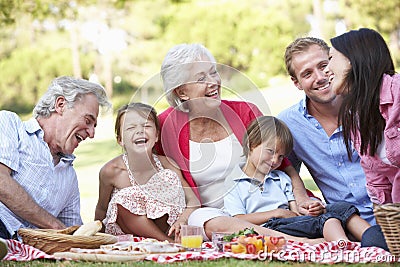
[{"x": 38, "y": 184}]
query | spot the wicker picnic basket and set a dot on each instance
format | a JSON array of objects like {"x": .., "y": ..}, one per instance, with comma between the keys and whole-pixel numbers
[
  {"x": 51, "y": 241},
  {"x": 388, "y": 217}
]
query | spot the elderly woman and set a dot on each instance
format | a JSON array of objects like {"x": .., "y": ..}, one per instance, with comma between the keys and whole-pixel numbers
[{"x": 203, "y": 134}]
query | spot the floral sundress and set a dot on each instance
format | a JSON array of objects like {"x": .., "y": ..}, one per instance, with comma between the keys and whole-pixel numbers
[{"x": 162, "y": 194}]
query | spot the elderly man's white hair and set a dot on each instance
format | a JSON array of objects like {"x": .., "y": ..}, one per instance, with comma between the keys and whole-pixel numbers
[{"x": 72, "y": 89}]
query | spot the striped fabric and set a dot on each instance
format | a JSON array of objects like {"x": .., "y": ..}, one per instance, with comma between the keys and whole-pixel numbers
[
  {"x": 55, "y": 188},
  {"x": 18, "y": 251},
  {"x": 327, "y": 253}
]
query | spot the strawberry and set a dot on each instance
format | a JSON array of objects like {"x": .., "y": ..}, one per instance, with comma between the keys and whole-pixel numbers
[{"x": 251, "y": 249}]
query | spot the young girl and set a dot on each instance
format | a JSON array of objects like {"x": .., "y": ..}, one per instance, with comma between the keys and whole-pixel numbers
[
  {"x": 141, "y": 193},
  {"x": 362, "y": 71},
  {"x": 263, "y": 195}
]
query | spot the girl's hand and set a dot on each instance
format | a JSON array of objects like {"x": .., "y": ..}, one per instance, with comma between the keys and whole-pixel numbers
[{"x": 176, "y": 228}]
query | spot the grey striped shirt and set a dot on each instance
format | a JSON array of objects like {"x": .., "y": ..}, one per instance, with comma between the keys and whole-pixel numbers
[{"x": 54, "y": 188}]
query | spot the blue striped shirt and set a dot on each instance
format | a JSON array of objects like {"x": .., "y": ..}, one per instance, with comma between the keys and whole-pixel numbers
[
  {"x": 54, "y": 188},
  {"x": 326, "y": 159}
]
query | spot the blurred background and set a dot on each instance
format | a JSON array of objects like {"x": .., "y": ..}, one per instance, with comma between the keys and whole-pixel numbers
[{"x": 121, "y": 44}]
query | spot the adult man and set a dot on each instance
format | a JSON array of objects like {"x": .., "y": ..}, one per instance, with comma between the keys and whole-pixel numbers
[
  {"x": 38, "y": 185},
  {"x": 318, "y": 137}
]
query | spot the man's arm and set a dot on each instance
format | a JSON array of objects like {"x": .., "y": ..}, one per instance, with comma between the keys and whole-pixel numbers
[
  {"x": 15, "y": 198},
  {"x": 299, "y": 190},
  {"x": 304, "y": 202}
]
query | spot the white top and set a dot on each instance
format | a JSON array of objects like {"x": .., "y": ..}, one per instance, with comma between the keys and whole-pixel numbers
[
  {"x": 381, "y": 151},
  {"x": 210, "y": 163}
]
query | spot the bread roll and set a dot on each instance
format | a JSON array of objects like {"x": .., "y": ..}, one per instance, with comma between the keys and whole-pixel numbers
[
  {"x": 89, "y": 229},
  {"x": 68, "y": 230}
]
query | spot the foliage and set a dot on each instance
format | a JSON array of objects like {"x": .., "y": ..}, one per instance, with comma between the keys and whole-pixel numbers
[
  {"x": 38, "y": 41},
  {"x": 247, "y": 35},
  {"x": 382, "y": 15},
  {"x": 27, "y": 72},
  {"x": 38, "y": 8},
  {"x": 41, "y": 9}
]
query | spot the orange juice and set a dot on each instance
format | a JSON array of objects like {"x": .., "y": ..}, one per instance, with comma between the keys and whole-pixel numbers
[{"x": 192, "y": 241}]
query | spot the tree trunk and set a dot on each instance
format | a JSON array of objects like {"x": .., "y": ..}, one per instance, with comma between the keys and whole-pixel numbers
[{"x": 76, "y": 64}]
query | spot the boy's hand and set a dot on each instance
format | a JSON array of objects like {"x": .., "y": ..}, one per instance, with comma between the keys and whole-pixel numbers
[
  {"x": 284, "y": 213},
  {"x": 302, "y": 208},
  {"x": 311, "y": 207},
  {"x": 316, "y": 208}
]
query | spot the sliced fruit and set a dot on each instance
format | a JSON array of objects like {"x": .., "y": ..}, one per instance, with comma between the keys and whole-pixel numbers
[
  {"x": 238, "y": 248},
  {"x": 251, "y": 249}
]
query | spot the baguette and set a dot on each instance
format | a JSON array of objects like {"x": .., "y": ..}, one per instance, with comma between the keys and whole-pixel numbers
[
  {"x": 89, "y": 229},
  {"x": 68, "y": 230}
]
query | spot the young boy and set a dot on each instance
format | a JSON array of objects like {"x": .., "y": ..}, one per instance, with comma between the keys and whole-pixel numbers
[{"x": 263, "y": 195}]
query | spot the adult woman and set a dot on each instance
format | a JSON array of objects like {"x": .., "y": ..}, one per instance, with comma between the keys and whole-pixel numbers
[
  {"x": 362, "y": 70},
  {"x": 208, "y": 132}
]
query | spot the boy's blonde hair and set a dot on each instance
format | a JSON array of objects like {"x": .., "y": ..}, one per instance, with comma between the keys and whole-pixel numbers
[{"x": 267, "y": 128}]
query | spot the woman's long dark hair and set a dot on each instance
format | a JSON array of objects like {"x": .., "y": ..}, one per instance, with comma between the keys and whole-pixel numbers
[{"x": 370, "y": 58}]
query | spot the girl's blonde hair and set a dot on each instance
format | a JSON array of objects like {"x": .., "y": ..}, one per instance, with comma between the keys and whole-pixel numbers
[{"x": 144, "y": 110}]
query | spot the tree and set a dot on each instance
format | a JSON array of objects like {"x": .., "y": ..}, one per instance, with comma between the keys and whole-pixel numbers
[
  {"x": 381, "y": 15},
  {"x": 39, "y": 9},
  {"x": 250, "y": 36}
]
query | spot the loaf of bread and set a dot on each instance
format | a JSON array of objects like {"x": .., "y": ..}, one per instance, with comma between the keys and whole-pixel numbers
[{"x": 89, "y": 229}]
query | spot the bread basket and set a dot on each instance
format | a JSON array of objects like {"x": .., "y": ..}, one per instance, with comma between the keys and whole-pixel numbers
[
  {"x": 388, "y": 217},
  {"x": 50, "y": 241}
]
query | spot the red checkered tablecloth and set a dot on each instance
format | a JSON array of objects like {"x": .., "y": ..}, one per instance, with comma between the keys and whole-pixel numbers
[{"x": 327, "y": 252}]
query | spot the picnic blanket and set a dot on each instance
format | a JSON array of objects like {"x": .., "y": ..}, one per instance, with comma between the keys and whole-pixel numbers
[{"x": 327, "y": 252}]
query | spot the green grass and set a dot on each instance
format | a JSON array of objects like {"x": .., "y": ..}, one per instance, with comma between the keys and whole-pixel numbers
[{"x": 96, "y": 153}]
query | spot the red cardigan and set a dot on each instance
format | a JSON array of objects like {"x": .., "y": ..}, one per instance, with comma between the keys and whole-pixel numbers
[{"x": 174, "y": 135}]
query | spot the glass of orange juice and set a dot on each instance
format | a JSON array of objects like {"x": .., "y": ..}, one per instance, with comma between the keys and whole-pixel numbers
[{"x": 191, "y": 237}]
